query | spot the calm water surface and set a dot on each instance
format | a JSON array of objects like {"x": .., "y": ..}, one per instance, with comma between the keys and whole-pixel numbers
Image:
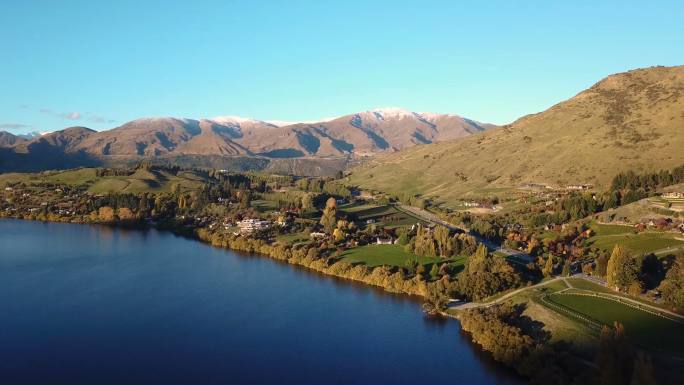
[{"x": 95, "y": 305}]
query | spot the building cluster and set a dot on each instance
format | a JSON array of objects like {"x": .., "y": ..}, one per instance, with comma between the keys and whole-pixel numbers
[
  {"x": 673, "y": 195},
  {"x": 663, "y": 224},
  {"x": 578, "y": 187},
  {"x": 248, "y": 226}
]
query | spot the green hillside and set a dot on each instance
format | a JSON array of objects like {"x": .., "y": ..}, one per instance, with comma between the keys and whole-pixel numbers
[
  {"x": 632, "y": 120},
  {"x": 141, "y": 180}
]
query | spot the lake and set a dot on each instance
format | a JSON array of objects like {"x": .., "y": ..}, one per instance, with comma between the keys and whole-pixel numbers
[{"x": 86, "y": 304}]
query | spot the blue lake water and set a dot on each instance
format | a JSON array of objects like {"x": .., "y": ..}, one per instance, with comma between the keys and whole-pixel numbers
[{"x": 97, "y": 305}]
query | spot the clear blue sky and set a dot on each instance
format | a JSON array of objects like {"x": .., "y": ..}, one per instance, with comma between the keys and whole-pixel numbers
[{"x": 100, "y": 64}]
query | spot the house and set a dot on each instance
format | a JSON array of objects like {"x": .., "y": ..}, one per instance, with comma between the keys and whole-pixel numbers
[
  {"x": 384, "y": 241},
  {"x": 250, "y": 225},
  {"x": 579, "y": 187},
  {"x": 673, "y": 195}
]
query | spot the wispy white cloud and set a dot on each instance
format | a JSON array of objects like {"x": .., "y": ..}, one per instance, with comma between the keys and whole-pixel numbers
[
  {"x": 74, "y": 115},
  {"x": 13, "y": 126},
  {"x": 99, "y": 119}
]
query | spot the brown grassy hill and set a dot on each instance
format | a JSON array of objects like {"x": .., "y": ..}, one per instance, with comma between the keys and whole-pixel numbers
[
  {"x": 66, "y": 140},
  {"x": 8, "y": 139},
  {"x": 632, "y": 120}
]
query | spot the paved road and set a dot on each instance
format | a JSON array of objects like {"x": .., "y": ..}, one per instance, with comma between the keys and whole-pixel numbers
[{"x": 433, "y": 218}]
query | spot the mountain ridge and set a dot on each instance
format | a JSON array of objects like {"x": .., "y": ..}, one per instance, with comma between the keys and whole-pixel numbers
[{"x": 361, "y": 134}]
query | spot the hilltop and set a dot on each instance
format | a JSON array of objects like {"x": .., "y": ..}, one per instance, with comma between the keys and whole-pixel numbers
[{"x": 627, "y": 121}]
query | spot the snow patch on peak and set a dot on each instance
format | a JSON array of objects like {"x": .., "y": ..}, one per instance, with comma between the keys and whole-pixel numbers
[
  {"x": 159, "y": 118},
  {"x": 391, "y": 112},
  {"x": 234, "y": 119},
  {"x": 281, "y": 123},
  {"x": 433, "y": 115}
]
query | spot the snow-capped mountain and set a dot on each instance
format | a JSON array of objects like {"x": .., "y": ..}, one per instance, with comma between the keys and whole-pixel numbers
[{"x": 360, "y": 134}]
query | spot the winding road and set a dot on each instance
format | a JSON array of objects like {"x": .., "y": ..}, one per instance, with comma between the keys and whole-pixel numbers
[{"x": 433, "y": 218}]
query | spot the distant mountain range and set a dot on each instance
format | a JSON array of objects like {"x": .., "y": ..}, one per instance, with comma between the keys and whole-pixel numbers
[
  {"x": 351, "y": 136},
  {"x": 627, "y": 121}
]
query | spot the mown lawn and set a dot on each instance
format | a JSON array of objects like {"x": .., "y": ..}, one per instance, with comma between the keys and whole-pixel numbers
[
  {"x": 645, "y": 242},
  {"x": 392, "y": 255},
  {"x": 293, "y": 238},
  {"x": 264, "y": 205},
  {"x": 643, "y": 328},
  {"x": 555, "y": 286},
  {"x": 384, "y": 215},
  {"x": 583, "y": 284},
  {"x": 601, "y": 229}
]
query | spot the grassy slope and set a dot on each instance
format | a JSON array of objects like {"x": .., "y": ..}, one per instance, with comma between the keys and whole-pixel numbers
[
  {"x": 627, "y": 121},
  {"x": 646, "y": 329},
  {"x": 607, "y": 236},
  {"x": 644, "y": 209},
  {"x": 561, "y": 327},
  {"x": 365, "y": 212},
  {"x": 140, "y": 181},
  {"x": 640, "y": 325}
]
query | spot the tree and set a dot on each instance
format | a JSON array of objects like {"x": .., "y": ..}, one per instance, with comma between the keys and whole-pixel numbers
[
  {"x": 601, "y": 265},
  {"x": 245, "y": 199},
  {"x": 478, "y": 262},
  {"x": 614, "y": 356},
  {"x": 125, "y": 214},
  {"x": 338, "y": 235},
  {"x": 106, "y": 214},
  {"x": 621, "y": 270},
  {"x": 411, "y": 265},
  {"x": 434, "y": 271},
  {"x": 444, "y": 243},
  {"x": 635, "y": 288},
  {"x": 307, "y": 202},
  {"x": 672, "y": 287},
  {"x": 548, "y": 267},
  {"x": 144, "y": 207},
  {"x": 485, "y": 275},
  {"x": 566, "y": 268},
  {"x": 420, "y": 269},
  {"x": 176, "y": 189},
  {"x": 424, "y": 243},
  {"x": 329, "y": 217},
  {"x": 643, "y": 373}
]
